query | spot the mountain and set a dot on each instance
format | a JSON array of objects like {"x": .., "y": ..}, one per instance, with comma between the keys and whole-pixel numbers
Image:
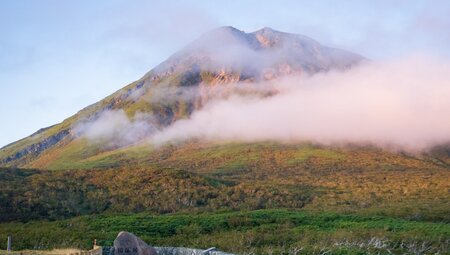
[
  {"x": 218, "y": 58},
  {"x": 96, "y": 174}
]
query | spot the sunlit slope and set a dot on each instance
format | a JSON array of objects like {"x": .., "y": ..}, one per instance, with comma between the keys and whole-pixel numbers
[
  {"x": 29, "y": 148},
  {"x": 205, "y": 177},
  {"x": 61, "y": 135}
]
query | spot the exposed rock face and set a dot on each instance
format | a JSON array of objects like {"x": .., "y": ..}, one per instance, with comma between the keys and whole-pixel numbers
[
  {"x": 129, "y": 244},
  {"x": 37, "y": 148}
]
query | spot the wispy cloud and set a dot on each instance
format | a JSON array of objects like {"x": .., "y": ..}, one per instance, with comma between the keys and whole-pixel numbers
[{"x": 113, "y": 128}]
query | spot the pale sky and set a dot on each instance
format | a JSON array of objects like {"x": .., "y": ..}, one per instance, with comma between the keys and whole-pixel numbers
[{"x": 57, "y": 57}]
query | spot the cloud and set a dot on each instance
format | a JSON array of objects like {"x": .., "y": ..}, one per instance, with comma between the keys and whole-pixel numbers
[
  {"x": 115, "y": 129},
  {"x": 398, "y": 103}
]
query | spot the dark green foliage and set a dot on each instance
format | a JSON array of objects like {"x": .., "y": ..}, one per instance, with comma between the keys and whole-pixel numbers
[
  {"x": 31, "y": 194},
  {"x": 245, "y": 231}
]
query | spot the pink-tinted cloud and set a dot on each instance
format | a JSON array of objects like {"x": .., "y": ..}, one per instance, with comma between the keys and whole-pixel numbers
[{"x": 402, "y": 103}]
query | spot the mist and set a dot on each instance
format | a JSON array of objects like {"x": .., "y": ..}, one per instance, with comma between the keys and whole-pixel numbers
[
  {"x": 403, "y": 104},
  {"x": 113, "y": 128}
]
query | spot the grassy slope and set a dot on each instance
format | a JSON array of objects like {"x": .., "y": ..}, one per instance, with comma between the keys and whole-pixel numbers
[
  {"x": 82, "y": 154},
  {"x": 123, "y": 99},
  {"x": 246, "y": 231},
  {"x": 342, "y": 179},
  {"x": 68, "y": 123},
  {"x": 210, "y": 177}
]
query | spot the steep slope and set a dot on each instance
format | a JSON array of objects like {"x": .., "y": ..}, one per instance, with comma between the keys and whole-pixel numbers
[{"x": 220, "y": 57}]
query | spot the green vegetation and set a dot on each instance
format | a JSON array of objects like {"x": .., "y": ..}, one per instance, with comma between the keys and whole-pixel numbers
[
  {"x": 259, "y": 197},
  {"x": 210, "y": 177},
  {"x": 82, "y": 154},
  {"x": 30, "y": 194},
  {"x": 262, "y": 231}
]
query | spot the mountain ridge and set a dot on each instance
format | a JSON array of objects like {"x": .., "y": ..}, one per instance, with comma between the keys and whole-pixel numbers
[{"x": 222, "y": 56}]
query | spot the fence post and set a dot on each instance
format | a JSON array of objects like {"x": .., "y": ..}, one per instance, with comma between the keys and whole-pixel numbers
[{"x": 8, "y": 246}]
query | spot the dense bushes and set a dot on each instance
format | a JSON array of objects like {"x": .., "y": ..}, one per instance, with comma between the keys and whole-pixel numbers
[
  {"x": 262, "y": 231},
  {"x": 31, "y": 194}
]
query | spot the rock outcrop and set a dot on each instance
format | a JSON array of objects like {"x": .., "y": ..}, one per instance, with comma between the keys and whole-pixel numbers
[
  {"x": 36, "y": 148},
  {"x": 128, "y": 244}
]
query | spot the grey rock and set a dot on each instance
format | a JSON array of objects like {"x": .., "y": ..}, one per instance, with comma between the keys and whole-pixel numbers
[
  {"x": 38, "y": 147},
  {"x": 128, "y": 244}
]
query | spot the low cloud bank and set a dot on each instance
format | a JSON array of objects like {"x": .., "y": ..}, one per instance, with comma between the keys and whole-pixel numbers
[
  {"x": 402, "y": 103},
  {"x": 115, "y": 129}
]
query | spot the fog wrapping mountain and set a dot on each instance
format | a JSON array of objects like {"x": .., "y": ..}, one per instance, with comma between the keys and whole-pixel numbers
[
  {"x": 179, "y": 86},
  {"x": 253, "y": 55}
]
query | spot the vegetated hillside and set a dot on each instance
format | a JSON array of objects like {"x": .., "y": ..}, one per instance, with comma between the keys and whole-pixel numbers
[
  {"x": 196, "y": 177},
  {"x": 216, "y": 62},
  {"x": 270, "y": 231}
]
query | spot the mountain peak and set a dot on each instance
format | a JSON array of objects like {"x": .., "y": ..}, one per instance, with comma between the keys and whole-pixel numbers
[
  {"x": 226, "y": 28},
  {"x": 232, "y": 49},
  {"x": 267, "y": 30},
  {"x": 221, "y": 56},
  {"x": 231, "y": 29},
  {"x": 221, "y": 32}
]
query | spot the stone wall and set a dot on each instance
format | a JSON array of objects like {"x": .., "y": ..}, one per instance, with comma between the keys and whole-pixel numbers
[
  {"x": 187, "y": 251},
  {"x": 175, "y": 251}
]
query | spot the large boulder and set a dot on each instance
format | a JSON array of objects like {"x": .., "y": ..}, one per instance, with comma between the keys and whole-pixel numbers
[{"x": 128, "y": 244}]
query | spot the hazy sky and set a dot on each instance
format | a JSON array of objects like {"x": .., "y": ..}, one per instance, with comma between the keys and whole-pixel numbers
[{"x": 57, "y": 57}]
